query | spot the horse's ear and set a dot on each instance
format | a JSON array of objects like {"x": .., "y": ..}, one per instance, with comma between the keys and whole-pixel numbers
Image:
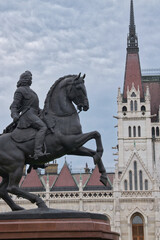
[{"x": 84, "y": 76}]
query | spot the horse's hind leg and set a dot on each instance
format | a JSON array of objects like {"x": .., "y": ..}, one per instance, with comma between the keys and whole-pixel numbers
[
  {"x": 4, "y": 195},
  {"x": 14, "y": 179}
]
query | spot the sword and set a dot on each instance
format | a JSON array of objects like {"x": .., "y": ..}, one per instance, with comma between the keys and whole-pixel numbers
[{"x": 13, "y": 124}]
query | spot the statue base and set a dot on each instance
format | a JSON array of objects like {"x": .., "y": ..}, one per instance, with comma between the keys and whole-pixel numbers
[{"x": 51, "y": 224}]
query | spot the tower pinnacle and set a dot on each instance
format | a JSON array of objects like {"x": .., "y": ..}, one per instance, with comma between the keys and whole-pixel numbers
[{"x": 132, "y": 40}]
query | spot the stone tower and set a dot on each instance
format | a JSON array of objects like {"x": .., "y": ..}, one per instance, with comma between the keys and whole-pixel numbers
[{"x": 138, "y": 122}]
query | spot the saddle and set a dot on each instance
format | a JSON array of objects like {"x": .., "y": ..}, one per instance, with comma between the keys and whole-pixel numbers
[
  {"x": 23, "y": 135},
  {"x": 26, "y": 134}
]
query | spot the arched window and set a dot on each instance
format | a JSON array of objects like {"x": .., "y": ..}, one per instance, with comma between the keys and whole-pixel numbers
[
  {"x": 129, "y": 132},
  {"x": 143, "y": 108},
  {"x": 134, "y": 131},
  {"x": 140, "y": 180},
  {"x": 153, "y": 132},
  {"x": 146, "y": 184},
  {"x": 135, "y": 176},
  {"x": 137, "y": 227},
  {"x": 135, "y": 105},
  {"x": 157, "y": 131},
  {"x": 125, "y": 185},
  {"x": 139, "y": 131},
  {"x": 130, "y": 181},
  {"x": 124, "y": 109},
  {"x": 131, "y": 105}
]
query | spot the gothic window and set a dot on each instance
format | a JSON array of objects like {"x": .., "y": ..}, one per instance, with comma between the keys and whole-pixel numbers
[
  {"x": 134, "y": 131},
  {"x": 131, "y": 105},
  {"x": 157, "y": 131},
  {"x": 137, "y": 227},
  {"x": 133, "y": 94},
  {"x": 135, "y": 105},
  {"x": 140, "y": 180},
  {"x": 125, "y": 185},
  {"x": 135, "y": 176},
  {"x": 143, "y": 108},
  {"x": 124, "y": 109},
  {"x": 139, "y": 131},
  {"x": 130, "y": 181},
  {"x": 153, "y": 132},
  {"x": 146, "y": 184},
  {"x": 129, "y": 132}
]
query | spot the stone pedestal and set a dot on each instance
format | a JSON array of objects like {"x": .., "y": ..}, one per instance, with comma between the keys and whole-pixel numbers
[{"x": 53, "y": 224}]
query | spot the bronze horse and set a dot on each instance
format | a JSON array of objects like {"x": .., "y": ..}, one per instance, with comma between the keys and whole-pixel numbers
[{"x": 59, "y": 112}]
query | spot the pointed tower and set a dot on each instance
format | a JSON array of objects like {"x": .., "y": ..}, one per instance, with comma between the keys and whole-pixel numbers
[
  {"x": 134, "y": 115},
  {"x": 133, "y": 70}
]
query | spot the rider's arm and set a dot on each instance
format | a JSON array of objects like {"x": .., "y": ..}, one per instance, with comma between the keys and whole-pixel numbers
[{"x": 16, "y": 105}]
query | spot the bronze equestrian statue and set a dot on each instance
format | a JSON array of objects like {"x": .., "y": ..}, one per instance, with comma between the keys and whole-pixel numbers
[{"x": 44, "y": 134}]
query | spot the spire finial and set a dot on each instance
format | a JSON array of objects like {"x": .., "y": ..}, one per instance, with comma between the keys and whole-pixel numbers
[
  {"x": 132, "y": 15},
  {"x": 132, "y": 41}
]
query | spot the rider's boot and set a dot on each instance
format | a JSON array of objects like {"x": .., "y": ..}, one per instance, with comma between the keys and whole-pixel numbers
[{"x": 39, "y": 140}]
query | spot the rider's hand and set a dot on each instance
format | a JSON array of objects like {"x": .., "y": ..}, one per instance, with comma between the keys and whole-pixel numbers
[{"x": 15, "y": 119}]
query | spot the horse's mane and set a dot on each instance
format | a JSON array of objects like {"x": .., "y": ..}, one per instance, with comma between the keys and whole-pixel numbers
[{"x": 46, "y": 103}]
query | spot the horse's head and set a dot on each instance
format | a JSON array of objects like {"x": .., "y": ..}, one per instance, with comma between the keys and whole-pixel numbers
[
  {"x": 77, "y": 93},
  {"x": 63, "y": 93}
]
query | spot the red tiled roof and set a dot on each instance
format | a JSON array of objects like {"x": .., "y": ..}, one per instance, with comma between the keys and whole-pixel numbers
[
  {"x": 65, "y": 178},
  {"x": 132, "y": 74},
  {"x": 84, "y": 176},
  {"x": 52, "y": 179},
  {"x": 154, "y": 89},
  {"x": 32, "y": 180},
  {"x": 94, "y": 179}
]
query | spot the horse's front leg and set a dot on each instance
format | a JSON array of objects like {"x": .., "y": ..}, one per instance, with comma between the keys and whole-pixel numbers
[
  {"x": 83, "y": 138},
  {"x": 83, "y": 151}
]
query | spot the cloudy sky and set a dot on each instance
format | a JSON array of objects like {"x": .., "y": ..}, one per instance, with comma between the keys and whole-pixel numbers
[{"x": 53, "y": 38}]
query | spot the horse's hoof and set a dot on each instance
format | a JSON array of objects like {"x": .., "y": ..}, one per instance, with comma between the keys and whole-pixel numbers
[
  {"x": 96, "y": 158},
  {"x": 42, "y": 205},
  {"x": 104, "y": 180},
  {"x": 18, "y": 208}
]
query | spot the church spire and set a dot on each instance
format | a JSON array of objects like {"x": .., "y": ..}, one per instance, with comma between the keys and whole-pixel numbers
[
  {"x": 132, "y": 40},
  {"x": 133, "y": 69}
]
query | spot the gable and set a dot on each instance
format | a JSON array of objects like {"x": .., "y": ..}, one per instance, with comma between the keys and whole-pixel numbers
[
  {"x": 136, "y": 176},
  {"x": 65, "y": 181},
  {"x": 94, "y": 182}
]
